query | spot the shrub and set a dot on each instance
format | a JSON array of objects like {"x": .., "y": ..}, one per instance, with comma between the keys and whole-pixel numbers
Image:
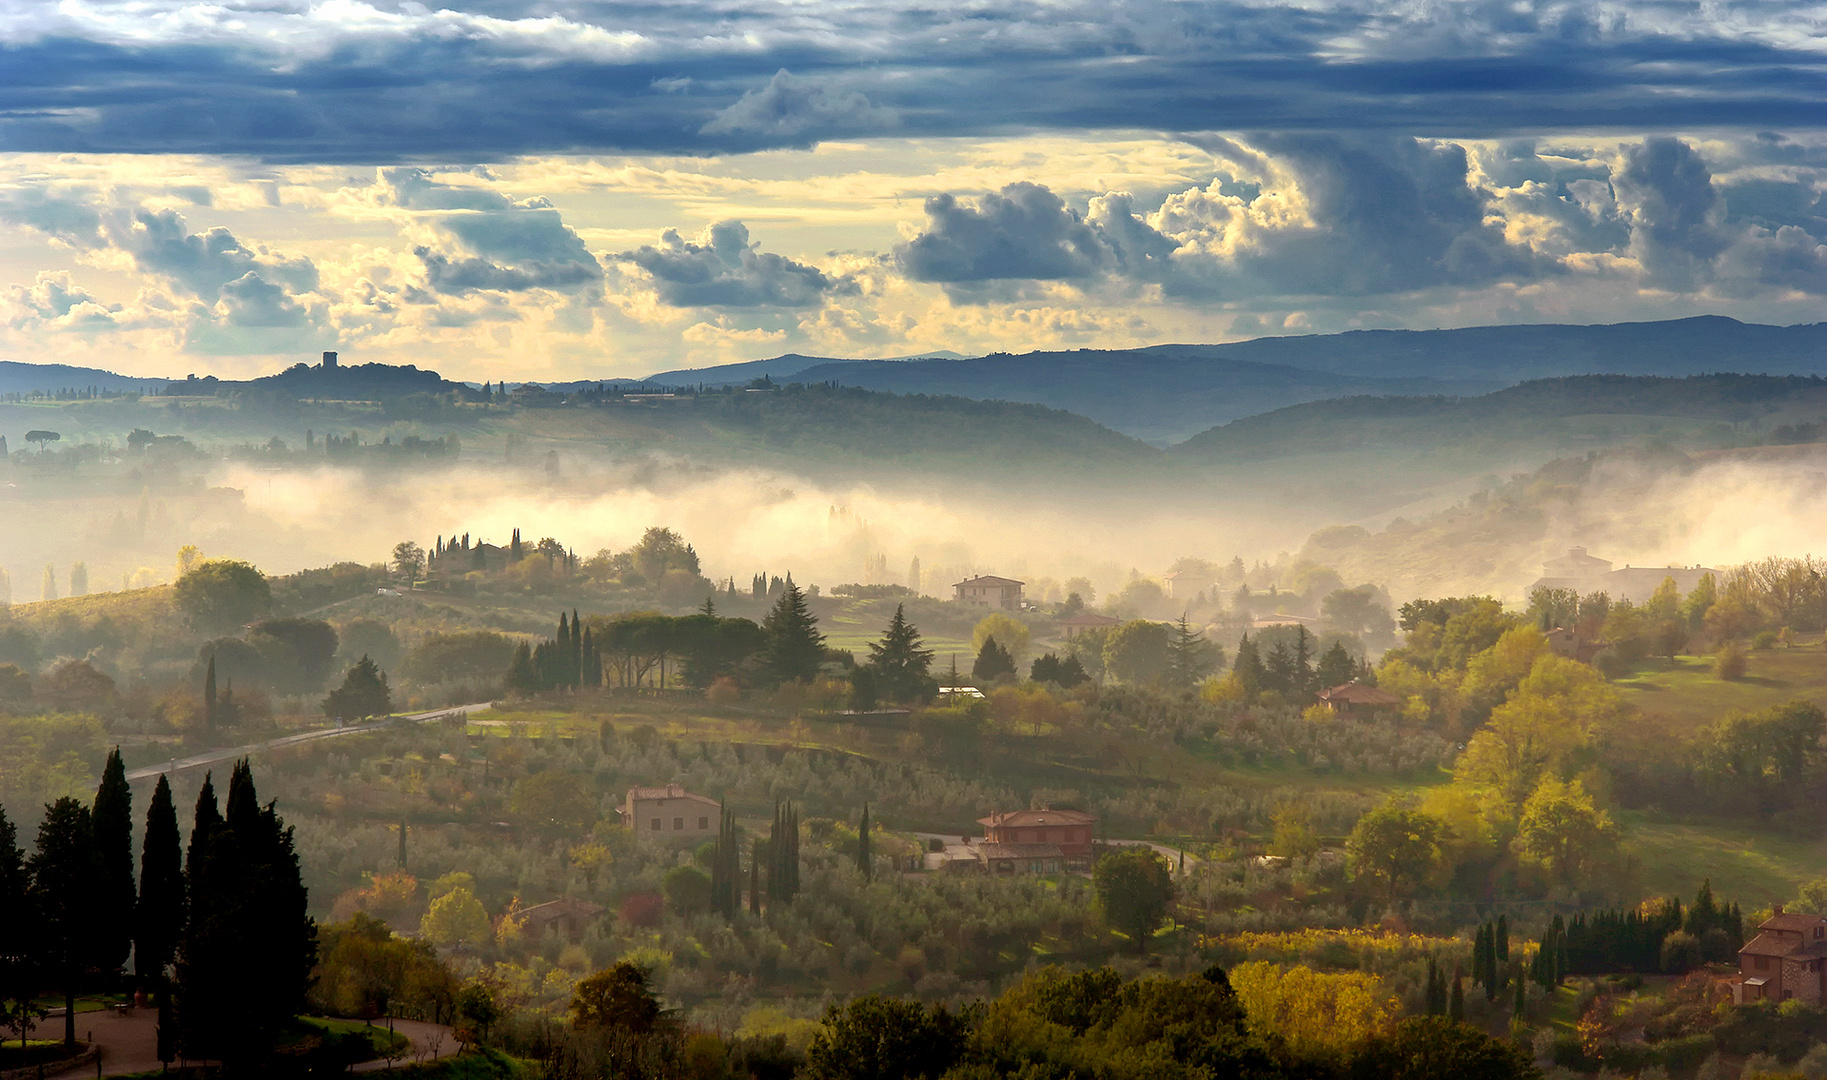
[
  {"x": 1765, "y": 639},
  {"x": 1729, "y": 661},
  {"x": 1681, "y": 953}
]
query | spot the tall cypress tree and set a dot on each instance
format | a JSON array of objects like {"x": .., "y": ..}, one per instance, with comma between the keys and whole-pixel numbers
[
  {"x": 63, "y": 891},
  {"x": 1503, "y": 938},
  {"x": 18, "y": 935},
  {"x": 726, "y": 867},
  {"x": 756, "y": 847},
  {"x": 158, "y": 917},
  {"x": 865, "y": 854},
  {"x": 209, "y": 695},
  {"x": 111, "y": 818},
  {"x": 794, "y": 647},
  {"x": 1455, "y": 1007}
]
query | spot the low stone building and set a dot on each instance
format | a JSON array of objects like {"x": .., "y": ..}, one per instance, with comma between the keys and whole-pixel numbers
[
  {"x": 1786, "y": 960},
  {"x": 1356, "y": 699},
  {"x": 568, "y": 916},
  {"x": 670, "y": 813}
]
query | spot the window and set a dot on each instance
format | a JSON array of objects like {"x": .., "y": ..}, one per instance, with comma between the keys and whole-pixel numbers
[
  {"x": 656, "y": 824},
  {"x": 703, "y": 823},
  {"x": 678, "y": 824}
]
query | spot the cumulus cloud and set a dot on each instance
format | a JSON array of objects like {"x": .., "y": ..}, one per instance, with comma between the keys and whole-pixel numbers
[
  {"x": 489, "y": 241},
  {"x": 1023, "y": 231},
  {"x": 722, "y": 269},
  {"x": 54, "y": 302}
]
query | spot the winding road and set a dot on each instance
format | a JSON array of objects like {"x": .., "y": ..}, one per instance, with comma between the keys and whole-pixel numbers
[{"x": 216, "y": 756}]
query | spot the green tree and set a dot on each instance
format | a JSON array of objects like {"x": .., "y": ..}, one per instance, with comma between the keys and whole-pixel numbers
[
  {"x": 1551, "y": 718},
  {"x": 556, "y": 801},
  {"x": 794, "y": 647},
  {"x": 618, "y": 999},
  {"x": 1394, "y": 847},
  {"x": 300, "y": 652},
  {"x": 880, "y": 1038},
  {"x": 456, "y": 918},
  {"x": 1564, "y": 834},
  {"x": 18, "y": 936},
  {"x": 1190, "y": 657},
  {"x": 364, "y": 693},
  {"x": 1439, "y": 1048},
  {"x": 1138, "y": 651},
  {"x": 222, "y": 595},
  {"x": 1066, "y": 672},
  {"x": 865, "y": 850},
  {"x": 477, "y": 1006},
  {"x": 1135, "y": 888},
  {"x": 902, "y": 668},
  {"x": 1011, "y": 633},
  {"x": 993, "y": 662},
  {"x": 1248, "y": 668},
  {"x": 1336, "y": 667},
  {"x": 63, "y": 873},
  {"x": 687, "y": 890},
  {"x": 158, "y": 917},
  {"x": 111, "y": 824},
  {"x": 408, "y": 560}
]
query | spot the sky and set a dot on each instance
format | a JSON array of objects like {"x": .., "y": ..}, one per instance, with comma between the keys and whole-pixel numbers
[{"x": 562, "y": 190}]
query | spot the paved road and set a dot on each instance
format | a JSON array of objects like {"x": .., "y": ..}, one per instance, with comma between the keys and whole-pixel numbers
[
  {"x": 429, "y": 1043},
  {"x": 212, "y": 757},
  {"x": 130, "y": 1043},
  {"x": 956, "y": 846}
]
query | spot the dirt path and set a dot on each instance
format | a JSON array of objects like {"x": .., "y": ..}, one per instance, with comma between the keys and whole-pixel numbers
[{"x": 231, "y": 753}]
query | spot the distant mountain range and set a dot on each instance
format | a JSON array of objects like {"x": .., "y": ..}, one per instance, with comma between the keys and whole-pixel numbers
[
  {"x": 21, "y": 378},
  {"x": 1167, "y": 393}
]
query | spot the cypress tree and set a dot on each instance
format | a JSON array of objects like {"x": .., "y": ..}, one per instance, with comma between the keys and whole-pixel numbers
[
  {"x": 207, "y": 819},
  {"x": 1522, "y": 996},
  {"x": 209, "y": 695},
  {"x": 865, "y": 855},
  {"x": 726, "y": 867},
  {"x": 17, "y": 929},
  {"x": 401, "y": 856},
  {"x": 755, "y": 854},
  {"x": 159, "y": 915},
  {"x": 1503, "y": 938},
  {"x": 576, "y": 670},
  {"x": 111, "y": 818},
  {"x": 64, "y": 874},
  {"x": 1435, "y": 996},
  {"x": 1456, "y": 1006}
]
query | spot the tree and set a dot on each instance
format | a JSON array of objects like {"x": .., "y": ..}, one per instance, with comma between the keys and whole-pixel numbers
[
  {"x": 726, "y": 867},
  {"x": 618, "y": 999},
  {"x": 865, "y": 852},
  {"x": 41, "y": 437},
  {"x": 794, "y": 647},
  {"x": 1137, "y": 651},
  {"x": 1564, "y": 834},
  {"x": 408, "y": 560},
  {"x": 47, "y": 590},
  {"x": 556, "y": 801},
  {"x": 63, "y": 890},
  {"x": 1249, "y": 669},
  {"x": 158, "y": 917},
  {"x": 993, "y": 662},
  {"x": 210, "y": 700},
  {"x": 18, "y": 936},
  {"x": 783, "y": 855},
  {"x": 364, "y": 693},
  {"x": 1394, "y": 847},
  {"x": 1065, "y": 673},
  {"x": 456, "y": 918},
  {"x": 879, "y": 1038},
  {"x": 1336, "y": 667},
  {"x": 1135, "y": 888},
  {"x": 1011, "y": 633},
  {"x": 79, "y": 579},
  {"x": 1319, "y": 1014},
  {"x": 1554, "y": 714},
  {"x": 1190, "y": 657},
  {"x": 299, "y": 652},
  {"x": 1439, "y": 1048},
  {"x": 476, "y": 1004},
  {"x": 221, "y": 595},
  {"x": 687, "y": 891},
  {"x": 901, "y": 667},
  {"x": 111, "y": 822}
]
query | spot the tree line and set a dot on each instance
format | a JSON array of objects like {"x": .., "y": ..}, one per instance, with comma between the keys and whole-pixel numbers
[{"x": 216, "y": 928}]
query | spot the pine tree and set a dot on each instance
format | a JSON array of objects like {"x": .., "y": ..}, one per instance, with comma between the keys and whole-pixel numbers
[
  {"x": 364, "y": 693},
  {"x": 1336, "y": 667},
  {"x": 901, "y": 666},
  {"x": 1188, "y": 658},
  {"x": 865, "y": 853},
  {"x": 158, "y": 917},
  {"x": 1704, "y": 915},
  {"x": 111, "y": 822},
  {"x": 993, "y": 662},
  {"x": 1304, "y": 678},
  {"x": 793, "y": 646}
]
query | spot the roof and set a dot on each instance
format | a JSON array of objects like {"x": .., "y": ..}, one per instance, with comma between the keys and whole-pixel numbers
[
  {"x": 1353, "y": 693},
  {"x": 1772, "y": 945},
  {"x": 1089, "y": 618},
  {"x": 1189, "y": 575},
  {"x": 1020, "y": 851},
  {"x": 1792, "y": 921},
  {"x": 670, "y": 791},
  {"x": 1028, "y": 819},
  {"x": 989, "y": 579}
]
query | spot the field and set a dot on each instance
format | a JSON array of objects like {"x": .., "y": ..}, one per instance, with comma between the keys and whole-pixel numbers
[
  {"x": 1687, "y": 695},
  {"x": 1755, "y": 868}
]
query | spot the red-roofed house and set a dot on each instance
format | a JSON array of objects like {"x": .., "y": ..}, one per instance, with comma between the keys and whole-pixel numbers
[
  {"x": 1084, "y": 621},
  {"x": 1354, "y": 699},
  {"x": 1036, "y": 841},
  {"x": 1787, "y": 959},
  {"x": 990, "y": 591}
]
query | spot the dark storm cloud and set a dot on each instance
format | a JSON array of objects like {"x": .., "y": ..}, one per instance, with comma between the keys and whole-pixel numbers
[
  {"x": 1023, "y": 231},
  {"x": 725, "y": 270},
  {"x": 490, "y": 80}
]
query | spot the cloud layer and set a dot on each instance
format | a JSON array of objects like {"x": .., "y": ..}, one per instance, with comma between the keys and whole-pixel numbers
[{"x": 349, "y": 80}]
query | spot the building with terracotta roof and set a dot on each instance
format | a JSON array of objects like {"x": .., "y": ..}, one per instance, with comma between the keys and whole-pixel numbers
[
  {"x": 1086, "y": 620},
  {"x": 1354, "y": 699},
  {"x": 1069, "y": 829},
  {"x": 1787, "y": 959},
  {"x": 670, "y": 813},
  {"x": 987, "y": 590},
  {"x": 568, "y": 916}
]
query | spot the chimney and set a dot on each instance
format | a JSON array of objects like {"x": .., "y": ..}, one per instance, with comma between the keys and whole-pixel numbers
[
  {"x": 329, "y": 361},
  {"x": 1776, "y": 909}
]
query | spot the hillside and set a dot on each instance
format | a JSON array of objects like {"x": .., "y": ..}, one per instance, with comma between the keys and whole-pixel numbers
[{"x": 22, "y": 378}]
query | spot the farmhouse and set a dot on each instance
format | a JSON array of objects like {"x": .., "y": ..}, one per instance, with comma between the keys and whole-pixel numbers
[
  {"x": 568, "y": 916},
  {"x": 1585, "y": 573},
  {"x": 1086, "y": 620},
  {"x": 990, "y": 591},
  {"x": 1784, "y": 960},
  {"x": 1036, "y": 841},
  {"x": 670, "y": 813},
  {"x": 1356, "y": 699}
]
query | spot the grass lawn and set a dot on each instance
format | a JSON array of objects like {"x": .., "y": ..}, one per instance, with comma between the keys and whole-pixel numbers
[
  {"x": 1756, "y": 869},
  {"x": 1687, "y": 694},
  {"x": 379, "y": 1038}
]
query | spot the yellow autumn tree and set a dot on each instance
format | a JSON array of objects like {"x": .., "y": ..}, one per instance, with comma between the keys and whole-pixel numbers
[
  {"x": 1546, "y": 726},
  {"x": 1318, "y": 1013},
  {"x": 457, "y": 917}
]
